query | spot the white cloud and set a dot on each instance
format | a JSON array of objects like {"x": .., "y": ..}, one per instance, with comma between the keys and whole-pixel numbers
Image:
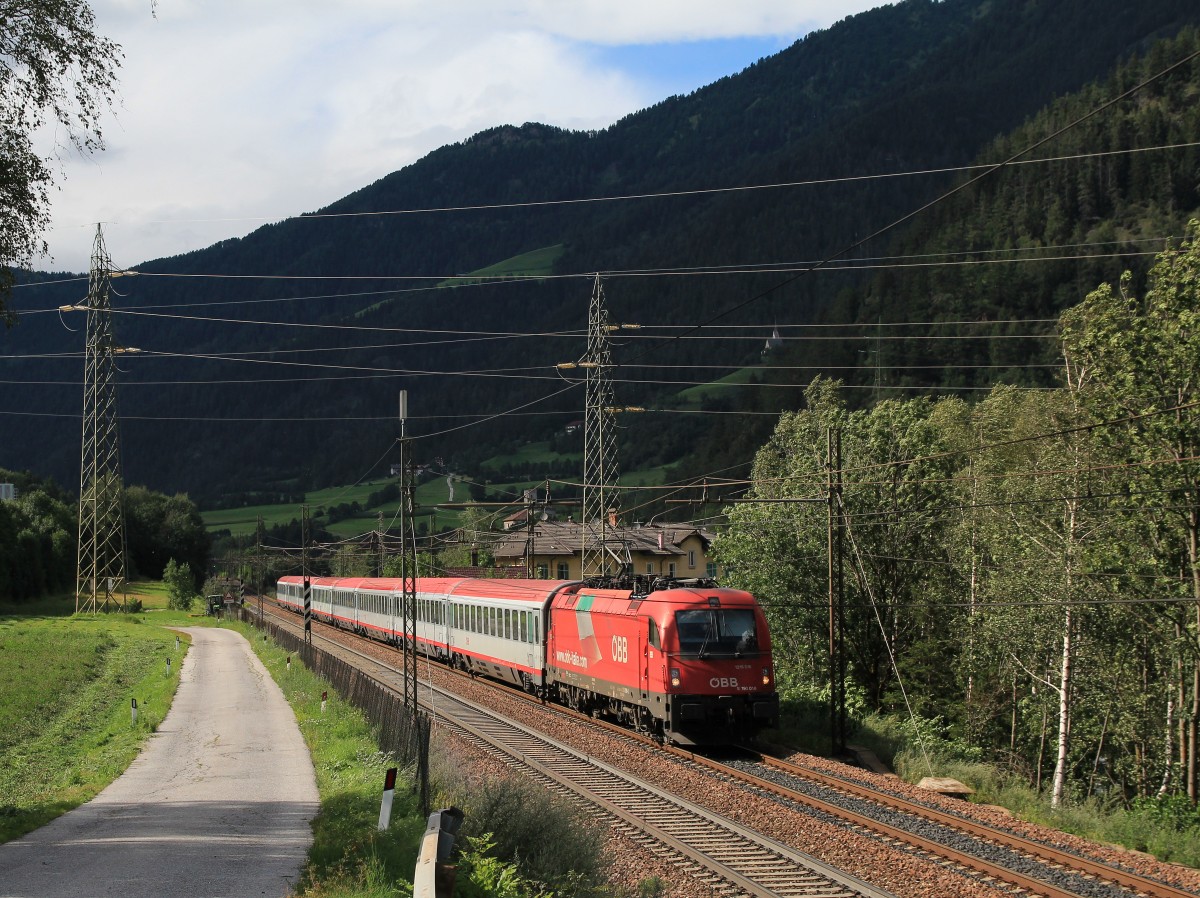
[{"x": 247, "y": 111}]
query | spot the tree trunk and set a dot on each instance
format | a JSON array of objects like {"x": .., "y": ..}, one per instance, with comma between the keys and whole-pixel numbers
[
  {"x": 1165, "y": 788},
  {"x": 1191, "y": 731},
  {"x": 1041, "y": 752},
  {"x": 1058, "y": 786}
]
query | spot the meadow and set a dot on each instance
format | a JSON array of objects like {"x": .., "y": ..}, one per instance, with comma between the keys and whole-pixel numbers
[{"x": 66, "y": 721}]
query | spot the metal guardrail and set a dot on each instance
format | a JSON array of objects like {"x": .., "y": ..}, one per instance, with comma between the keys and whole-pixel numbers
[{"x": 434, "y": 874}]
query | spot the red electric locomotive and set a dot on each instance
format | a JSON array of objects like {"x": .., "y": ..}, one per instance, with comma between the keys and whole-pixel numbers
[{"x": 690, "y": 663}]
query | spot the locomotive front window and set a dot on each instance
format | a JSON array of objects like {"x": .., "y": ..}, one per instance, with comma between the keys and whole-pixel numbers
[{"x": 707, "y": 631}]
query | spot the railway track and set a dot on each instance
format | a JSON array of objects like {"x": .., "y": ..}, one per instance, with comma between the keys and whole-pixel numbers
[
  {"x": 728, "y": 857},
  {"x": 995, "y": 859},
  {"x": 1048, "y": 869}
]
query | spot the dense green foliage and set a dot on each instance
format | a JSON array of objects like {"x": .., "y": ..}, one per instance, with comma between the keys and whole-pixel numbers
[
  {"x": 912, "y": 86},
  {"x": 1027, "y": 241},
  {"x": 38, "y": 535},
  {"x": 159, "y": 528},
  {"x": 55, "y": 72},
  {"x": 1023, "y": 573}
]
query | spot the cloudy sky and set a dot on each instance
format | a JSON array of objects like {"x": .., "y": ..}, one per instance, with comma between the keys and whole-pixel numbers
[{"x": 233, "y": 114}]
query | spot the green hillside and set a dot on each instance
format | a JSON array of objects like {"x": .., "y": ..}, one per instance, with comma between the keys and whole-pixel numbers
[{"x": 223, "y": 407}]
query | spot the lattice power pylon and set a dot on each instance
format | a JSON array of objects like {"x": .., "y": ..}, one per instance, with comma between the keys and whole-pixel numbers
[
  {"x": 101, "y": 569},
  {"x": 600, "y": 498}
]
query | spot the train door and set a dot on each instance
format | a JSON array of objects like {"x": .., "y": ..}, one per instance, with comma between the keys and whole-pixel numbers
[
  {"x": 444, "y": 628},
  {"x": 643, "y": 657}
]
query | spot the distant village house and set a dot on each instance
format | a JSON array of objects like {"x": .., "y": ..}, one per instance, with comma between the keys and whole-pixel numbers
[{"x": 556, "y": 546}]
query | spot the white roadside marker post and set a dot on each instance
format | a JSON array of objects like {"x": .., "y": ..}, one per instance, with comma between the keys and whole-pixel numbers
[
  {"x": 389, "y": 790},
  {"x": 134, "y": 711}
]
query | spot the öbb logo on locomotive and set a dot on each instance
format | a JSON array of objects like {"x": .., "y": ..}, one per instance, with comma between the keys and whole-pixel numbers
[
  {"x": 620, "y": 649},
  {"x": 702, "y": 671}
]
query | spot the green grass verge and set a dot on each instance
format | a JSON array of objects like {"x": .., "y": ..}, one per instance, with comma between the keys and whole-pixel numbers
[{"x": 66, "y": 727}]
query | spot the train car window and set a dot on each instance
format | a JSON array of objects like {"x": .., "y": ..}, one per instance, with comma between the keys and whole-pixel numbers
[
  {"x": 536, "y": 628},
  {"x": 654, "y": 639},
  {"x": 524, "y": 633},
  {"x": 507, "y": 624}
]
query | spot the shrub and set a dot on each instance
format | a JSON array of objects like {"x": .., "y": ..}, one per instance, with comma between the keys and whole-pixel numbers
[
  {"x": 181, "y": 585},
  {"x": 547, "y": 841}
]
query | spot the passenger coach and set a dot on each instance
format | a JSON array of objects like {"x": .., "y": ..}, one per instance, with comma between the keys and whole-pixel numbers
[{"x": 686, "y": 661}]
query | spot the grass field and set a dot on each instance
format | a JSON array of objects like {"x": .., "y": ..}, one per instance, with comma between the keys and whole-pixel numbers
[
  {"x": 533, "y": 264},
  {"x": 693, "y": 397},
  {"x": 534, "y": 453},
  {"x": 430, "y": 494},
  {"x": 66, "y": 728}
]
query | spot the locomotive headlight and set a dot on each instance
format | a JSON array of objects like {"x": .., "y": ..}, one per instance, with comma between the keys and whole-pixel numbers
[
  {"x": 674, "y": 676},
  {"x": 766, "y": 676}
]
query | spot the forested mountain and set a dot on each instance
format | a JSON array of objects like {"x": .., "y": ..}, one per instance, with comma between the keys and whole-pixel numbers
[{"x": 305, "y": 395}]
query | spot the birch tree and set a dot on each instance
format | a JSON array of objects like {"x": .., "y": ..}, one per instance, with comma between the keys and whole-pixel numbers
[
  {"x": 1137, "y": 360},
  {"x": 54, "y": 69}
]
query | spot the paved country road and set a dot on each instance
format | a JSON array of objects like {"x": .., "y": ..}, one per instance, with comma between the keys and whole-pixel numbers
[{"x": 217, "y": 804}]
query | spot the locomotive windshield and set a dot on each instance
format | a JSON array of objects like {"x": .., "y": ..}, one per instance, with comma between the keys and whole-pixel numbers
[{"x": 708, "y": 631}]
